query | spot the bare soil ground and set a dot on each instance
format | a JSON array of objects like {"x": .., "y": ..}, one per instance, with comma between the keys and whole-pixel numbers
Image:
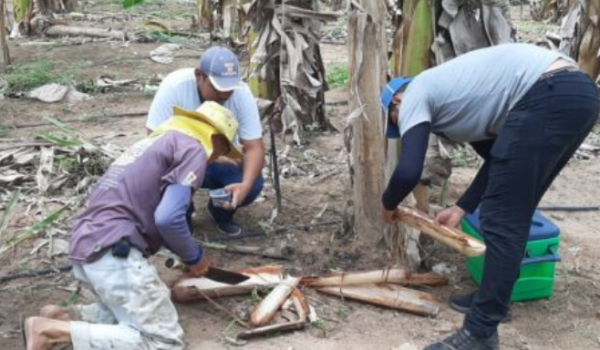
[{"x": 570, "y": 320}]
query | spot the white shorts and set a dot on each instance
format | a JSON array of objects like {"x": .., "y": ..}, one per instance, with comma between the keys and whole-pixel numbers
[{"x": 135, "y": 309}]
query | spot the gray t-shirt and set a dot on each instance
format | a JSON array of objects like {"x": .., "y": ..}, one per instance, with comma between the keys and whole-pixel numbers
[
  {"x": 468, "y": 98},
  {"x": 124, "y": 200}
]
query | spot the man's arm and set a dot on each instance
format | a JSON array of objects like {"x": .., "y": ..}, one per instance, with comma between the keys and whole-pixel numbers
[
  {"x": 187, "y": 160},
  {"x": 254, "y": 159},
  {"x": 250, "y": 136},
  {"x": 170, "y": 219},
  {"x": 409, "y": 168},
  {"x": 162, "y": 105},
  {"x": 472, "y": 196}
]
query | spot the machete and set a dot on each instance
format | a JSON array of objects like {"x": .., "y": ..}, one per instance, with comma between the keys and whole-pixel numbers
[{"x": 213, "y": 273}]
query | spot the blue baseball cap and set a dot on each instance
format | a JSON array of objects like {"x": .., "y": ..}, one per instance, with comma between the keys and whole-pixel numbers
[
  {"x": 222, "y": 67},
  {"x": 387, "y": 96}
]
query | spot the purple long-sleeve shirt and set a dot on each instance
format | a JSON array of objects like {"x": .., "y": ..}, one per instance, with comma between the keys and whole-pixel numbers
[{"x": 144, "y": 197}]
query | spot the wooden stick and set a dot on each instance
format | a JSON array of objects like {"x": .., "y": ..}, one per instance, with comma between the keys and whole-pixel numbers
[
  {"x": 229, "y": 313},
  {"x": 269, "y": 252},
  {"x": 281, "y": 327},
  {"x": 570, "y": 208},
  {"x": 35, "y": 273},
  {"x": 277, "y": 231},
  {"x": 397, "y": 276},
  {"x": 25, "y": 144},
  {"x": 274, "y": 161},
  {"x": 389, "y": 295},
  {"x": 267, "y": 308},
  {"x": 61, "y": 30},
  {"x": 454, "y": 238},
  {"x": 93, "y": 118}
]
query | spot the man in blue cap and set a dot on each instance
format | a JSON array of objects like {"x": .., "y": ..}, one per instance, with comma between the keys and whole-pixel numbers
[
  {"x": 217, "y": 79},
  {"x": 525, "y": 110}
]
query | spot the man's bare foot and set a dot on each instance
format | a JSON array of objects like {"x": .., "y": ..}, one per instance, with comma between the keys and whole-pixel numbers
[
  {"x": 43, "y": 333},
  {"x": 55, "y": 312}
]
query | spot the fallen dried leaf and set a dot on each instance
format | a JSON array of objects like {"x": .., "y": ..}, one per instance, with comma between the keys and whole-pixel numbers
[
  {"x": 49, "y": 93},
  {"x": 165, "y": 53},
  {"x": 58, "y": 247},
  {"x": 11, "y": 177}
]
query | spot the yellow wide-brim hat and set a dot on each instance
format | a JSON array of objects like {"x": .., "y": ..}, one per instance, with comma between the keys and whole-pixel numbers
[{"x": 218, "y": 117}]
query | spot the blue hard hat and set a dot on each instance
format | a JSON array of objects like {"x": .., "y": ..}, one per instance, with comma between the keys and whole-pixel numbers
[{"x": 387, "y": 96}]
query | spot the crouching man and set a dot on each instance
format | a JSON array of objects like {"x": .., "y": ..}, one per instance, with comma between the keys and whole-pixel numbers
[{"x": 136, "y": 208}]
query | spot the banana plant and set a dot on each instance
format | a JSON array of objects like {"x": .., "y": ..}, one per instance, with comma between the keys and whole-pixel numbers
[{"x": 285, "y": 60}]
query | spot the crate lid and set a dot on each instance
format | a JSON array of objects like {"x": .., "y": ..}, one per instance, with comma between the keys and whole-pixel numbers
[{"x": 541, "y": 227}]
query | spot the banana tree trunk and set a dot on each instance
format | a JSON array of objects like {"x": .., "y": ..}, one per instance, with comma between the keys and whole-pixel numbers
[
  {"x": 3, "y": 34},
  {"x": 263, "y": 79},
  {"x": 228, "y": 14},
  {"x": 411, "y": 54},
  {"x": 242, "y": 19},
  {"x": 205, "y": 15},
  {"x": 368, "y": 52}
]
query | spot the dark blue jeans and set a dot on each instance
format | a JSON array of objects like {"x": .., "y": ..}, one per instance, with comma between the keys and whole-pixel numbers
[
  {"x": 541, "y": 134},
  {"x": 219, "y": 175}
]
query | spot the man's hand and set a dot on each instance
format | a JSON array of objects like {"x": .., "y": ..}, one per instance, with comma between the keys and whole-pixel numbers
[
  {"x": 238, "y": 191},
  {"x": 389, "y": 216},
  {"x": 200, "y": 269},
  {"x": 227, "y": 160},
  {"x": 450, "y": 217}
]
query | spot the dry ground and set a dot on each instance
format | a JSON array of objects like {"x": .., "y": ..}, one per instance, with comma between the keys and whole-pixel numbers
[{"x": 570, "y": 320}]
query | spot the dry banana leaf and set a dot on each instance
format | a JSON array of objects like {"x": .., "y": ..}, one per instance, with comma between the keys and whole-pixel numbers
[
  {"x": 302, "y": 307},
  {"x": 389, "y": 295},
  {"x": 396, "y": 276}
]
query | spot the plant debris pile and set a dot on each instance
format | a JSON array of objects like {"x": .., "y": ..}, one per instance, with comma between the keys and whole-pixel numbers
[{"x": 46, "y": 177}]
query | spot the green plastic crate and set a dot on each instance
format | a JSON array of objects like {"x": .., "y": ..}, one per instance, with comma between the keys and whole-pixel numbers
[{"x": 536, "y": 279}]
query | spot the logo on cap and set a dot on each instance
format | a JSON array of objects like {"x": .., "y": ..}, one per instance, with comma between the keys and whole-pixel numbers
[{"x": 229, "y": 69}]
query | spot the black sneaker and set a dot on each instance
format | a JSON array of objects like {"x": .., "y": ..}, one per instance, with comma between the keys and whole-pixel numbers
[
  {"x": 229, "y": 228},
  {"x": 463, "y": 340},
  {"x": 462, "y": 303}
]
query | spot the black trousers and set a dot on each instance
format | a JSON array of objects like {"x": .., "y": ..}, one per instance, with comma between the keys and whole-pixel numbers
[{"x": 541, "y": 134}]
